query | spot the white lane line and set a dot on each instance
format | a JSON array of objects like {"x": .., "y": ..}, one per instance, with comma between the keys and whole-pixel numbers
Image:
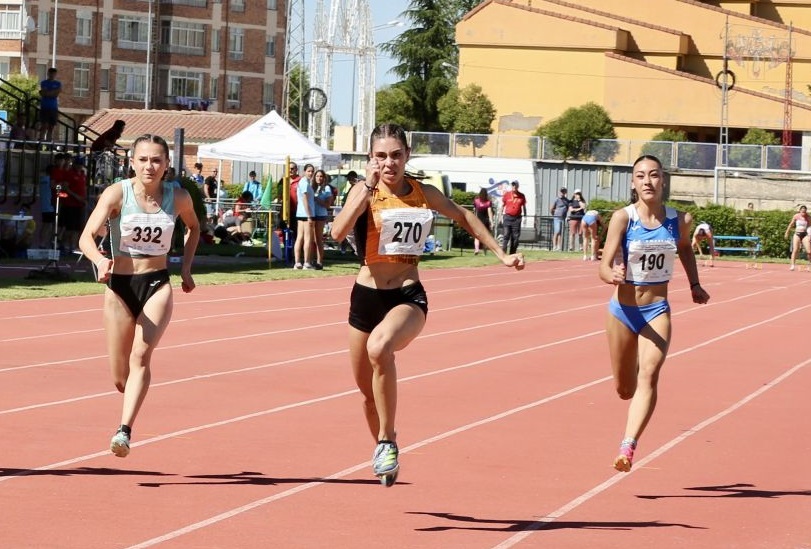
[{"x": 583, "y": 498}]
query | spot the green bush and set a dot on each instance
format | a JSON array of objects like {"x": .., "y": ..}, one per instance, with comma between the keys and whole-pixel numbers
[{"x": 461, "y": 238}]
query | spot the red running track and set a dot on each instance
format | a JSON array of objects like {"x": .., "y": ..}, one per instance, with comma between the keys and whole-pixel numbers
[{"x": 252, "y": 434}]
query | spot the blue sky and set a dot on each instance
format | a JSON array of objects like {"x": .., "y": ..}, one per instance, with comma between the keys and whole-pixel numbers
[{"x": 383, "y": 11}]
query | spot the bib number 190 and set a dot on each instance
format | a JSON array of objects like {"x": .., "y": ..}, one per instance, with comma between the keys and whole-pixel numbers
[{"x": 652, "y": 261}]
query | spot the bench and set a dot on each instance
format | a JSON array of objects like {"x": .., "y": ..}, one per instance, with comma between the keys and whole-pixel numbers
[{"x": 737, "y": 244}]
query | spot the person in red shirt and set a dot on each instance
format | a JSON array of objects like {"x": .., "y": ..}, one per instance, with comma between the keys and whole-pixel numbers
[
  {"x": 73, "y": 205},
  {"x": 515, "y": 207}
]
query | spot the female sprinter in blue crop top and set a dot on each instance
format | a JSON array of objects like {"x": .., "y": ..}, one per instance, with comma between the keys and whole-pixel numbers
[
  {"x": 138, "y": 299},
  {"x": 646, "y": 236}
]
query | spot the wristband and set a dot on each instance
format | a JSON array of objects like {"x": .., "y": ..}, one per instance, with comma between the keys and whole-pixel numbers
[
  {"x": 368, "y": 188},
  {"x": 694, "y": 284}
]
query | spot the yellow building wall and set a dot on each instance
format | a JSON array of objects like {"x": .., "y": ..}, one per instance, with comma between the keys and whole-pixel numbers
[{"x": 530, "y": 85}]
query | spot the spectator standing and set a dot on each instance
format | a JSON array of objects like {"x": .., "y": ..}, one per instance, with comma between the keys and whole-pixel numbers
[
  {"x": 253, "y": 186},
  {"x": 197, "y": 176},
  {"x": 138, "y": 299},
  {"x": 210, "y": 187},
  {"x": 47, "y": 211},
  {"x": 640, "y": 250},
  {"x": 558, "y": 210},
  {"x": 305, "y": 220},
  {"x": 515, "y": 207},
  {"x": 577, "y": 208},
  {"x": 324, "y": 197},
  {"x": 73, "y": 205},
  {"x": 49, "y": 90},
  {"x": 483, "y": 207},
  {"x": 800, "y": 222}
]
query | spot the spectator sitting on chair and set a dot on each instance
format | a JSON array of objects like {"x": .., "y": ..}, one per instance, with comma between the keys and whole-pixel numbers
[{"x": 703, "y": 233}]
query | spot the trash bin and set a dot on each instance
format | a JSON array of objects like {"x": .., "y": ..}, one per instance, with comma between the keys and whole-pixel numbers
[{"x": 443, "y": 231}]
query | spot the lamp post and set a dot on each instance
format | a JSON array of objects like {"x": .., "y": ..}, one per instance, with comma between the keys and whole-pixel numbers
[{"x": 56, "y": 16}]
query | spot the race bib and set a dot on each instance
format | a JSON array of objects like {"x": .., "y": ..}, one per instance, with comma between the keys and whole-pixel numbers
[
  {"x": 403, "y": 231},
  {"x": 650, "y": 261},
  {"x": 146, "y": 234}
]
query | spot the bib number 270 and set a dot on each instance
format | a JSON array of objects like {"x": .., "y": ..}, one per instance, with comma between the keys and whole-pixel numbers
[{"x": 407, "y": 232}]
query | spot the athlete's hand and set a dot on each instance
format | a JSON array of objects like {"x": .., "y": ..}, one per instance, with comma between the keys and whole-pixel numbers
[
  {"x": 103, "y": 268},
  {"x": 186, "y": 282},
  {"x": 700, "y": 296},
  {"x": 618, "y": 274},
  {"x": 372, "y": 173},
  {"x": 514, "y": 260}
]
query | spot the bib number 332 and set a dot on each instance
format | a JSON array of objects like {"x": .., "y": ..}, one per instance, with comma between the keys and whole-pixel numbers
[{"x": 404, "y": 231}]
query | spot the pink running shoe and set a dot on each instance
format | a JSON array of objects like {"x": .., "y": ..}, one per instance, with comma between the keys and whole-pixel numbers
[{"x": 625, "y": 458}]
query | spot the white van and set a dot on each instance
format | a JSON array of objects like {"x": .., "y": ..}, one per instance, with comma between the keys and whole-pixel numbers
[{"x": 473, "y": 174}]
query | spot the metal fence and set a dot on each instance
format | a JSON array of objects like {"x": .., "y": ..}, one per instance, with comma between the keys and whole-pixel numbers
[{"x": 674, "y": 155}]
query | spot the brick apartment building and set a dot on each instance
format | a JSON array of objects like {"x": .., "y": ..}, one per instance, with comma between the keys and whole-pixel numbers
[{"x": 217, "y": 55}]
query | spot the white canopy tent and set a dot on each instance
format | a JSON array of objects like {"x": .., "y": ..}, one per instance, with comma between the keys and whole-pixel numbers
[{"x": 270, "y": 140}]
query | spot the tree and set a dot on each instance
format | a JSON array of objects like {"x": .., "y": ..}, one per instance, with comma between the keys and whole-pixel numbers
[
  {"x": 469, "y": 112},
  {"x": 15, "y": 101},
  {"x": 300, "y": 83},
  {"x": 661, "y": 145},
  {"x": 394, "y": 105},
  {"x": 751, "y": 157},
  {"x": 572, "y": 132},
  {"x": 421, "y": 52}
]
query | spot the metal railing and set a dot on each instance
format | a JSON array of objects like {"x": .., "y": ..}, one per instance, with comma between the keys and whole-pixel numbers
[{"x": 683, "y": 155}]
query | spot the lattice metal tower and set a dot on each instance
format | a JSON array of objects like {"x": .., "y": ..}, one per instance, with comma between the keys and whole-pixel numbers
[
  {"x": 294, "y": 62},
  {"x": 346, "y": 29}
]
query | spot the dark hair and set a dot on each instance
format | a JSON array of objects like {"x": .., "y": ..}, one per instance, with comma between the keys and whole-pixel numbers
[
  {"x": 247, "y": 195},
  {"x": 151, "y": 138},
  {"x": 252, "y": 173},
  {"x": 352, "y": 174},
  {"x": 198, "y": 165},
  {"x": 483, "y": 195},
  {"x": 388, "y": 130}
]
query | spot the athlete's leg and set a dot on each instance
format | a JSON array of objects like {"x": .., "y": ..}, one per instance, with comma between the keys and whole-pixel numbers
[
  {"x": 654, "y": 341},
  {"x": 400, "y": 326},
  {"x": 149, "y": 327},
  {"x": 119, "y": 327},
  {"x": 362, "y": 370},
  {"x": 795, "y": 249}
]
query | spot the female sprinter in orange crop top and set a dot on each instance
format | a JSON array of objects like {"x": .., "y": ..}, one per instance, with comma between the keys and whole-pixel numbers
[
  {"x": 391, "y": 215},
  {"x": 138, "y": 298}
]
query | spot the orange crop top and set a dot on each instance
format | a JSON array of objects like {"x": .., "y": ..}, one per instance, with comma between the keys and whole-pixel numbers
[{"x": 394, "y": 228}]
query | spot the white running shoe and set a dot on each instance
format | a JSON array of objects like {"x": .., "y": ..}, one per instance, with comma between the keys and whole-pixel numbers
[{"x": 120, "y": 444}]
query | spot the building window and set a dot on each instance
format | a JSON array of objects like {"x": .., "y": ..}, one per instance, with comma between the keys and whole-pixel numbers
[
  {"x": 215, "y": 40},
  {"x": 236, "y": 43},
  {"x": 10, "y": 22},
  {"x": 185, "y": 84},
  {"x": 270, "y": 48},
  {"x": 272, "y": 4},
  {"x": 133, "y": 33},
  {"x": 183, "y": 37},
  {"x": 130, "y": 83},
  {"x": 196, "y": 3},
  {"x": 233, "y": 92},
  {"x": 5, "y": 67},
  {"x": 107, "y": 29},
  {"x": 104, "y": 79},
  {"x": 237, "y": 5},
  {"x": 81, "y": 79},
  {"x": 44, "y": 22},
  {"x": 268, "y": 93},
  {"x": 215, "y": 86},
  {"x": 84, "y": 28}
]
